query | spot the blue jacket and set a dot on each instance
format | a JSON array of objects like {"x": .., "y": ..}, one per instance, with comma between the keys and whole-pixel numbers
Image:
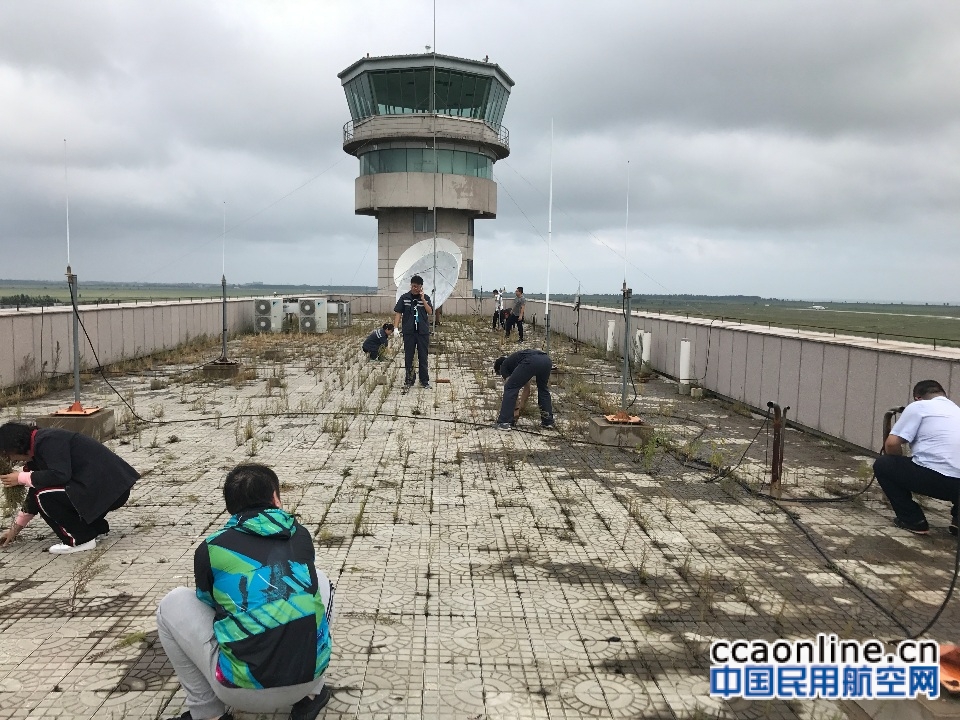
[
  {"x": 375, "y": 340},
  {"x": 270, "y": 623}
]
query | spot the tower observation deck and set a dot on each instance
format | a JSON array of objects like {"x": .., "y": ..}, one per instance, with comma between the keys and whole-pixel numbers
[{"x": 426, "y": 129}]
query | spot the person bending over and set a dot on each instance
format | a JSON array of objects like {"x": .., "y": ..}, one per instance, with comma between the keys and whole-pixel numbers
[
  {"x": 517, "y": 370},
  {"x": 72, "y": 482},
  {"x": 255, "y": 634},
  {"x": 376, "y": 343},
  {"x": 931, "y": 424}
]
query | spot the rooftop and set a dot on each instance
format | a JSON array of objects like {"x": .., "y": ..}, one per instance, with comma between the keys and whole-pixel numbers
[{"x": 480, "y": 574}]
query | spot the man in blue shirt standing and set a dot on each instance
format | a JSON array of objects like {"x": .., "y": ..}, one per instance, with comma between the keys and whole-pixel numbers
[
  {"x": 931, "y": 424},
  {"x": 411, "y": 315}
]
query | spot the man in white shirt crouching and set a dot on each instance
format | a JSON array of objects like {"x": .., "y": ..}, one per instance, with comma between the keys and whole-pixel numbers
[{"x": 931, "y": 424}]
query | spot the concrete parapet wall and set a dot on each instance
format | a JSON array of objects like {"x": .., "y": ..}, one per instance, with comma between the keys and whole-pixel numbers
[
  {"x": 837, "y": 385},
  {"x": 39, "y": 340},
  {"x": 424, "y": 127},
  {"x": 422, "y": 190}
]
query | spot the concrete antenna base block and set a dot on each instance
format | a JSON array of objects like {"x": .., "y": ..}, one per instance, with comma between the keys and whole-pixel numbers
[
  {"x": 619, "y": 434},
  {"x": 100, "y": 425},
  {"x": 221, "y": 370}
]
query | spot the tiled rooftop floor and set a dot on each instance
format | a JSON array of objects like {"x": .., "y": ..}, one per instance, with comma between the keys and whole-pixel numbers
[{"x": 480, "y": 574}]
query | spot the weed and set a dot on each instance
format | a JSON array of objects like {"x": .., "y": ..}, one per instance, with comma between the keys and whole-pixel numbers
[
  {"x": 132, "y": 638},
  {"x": 85, "y": 570}
]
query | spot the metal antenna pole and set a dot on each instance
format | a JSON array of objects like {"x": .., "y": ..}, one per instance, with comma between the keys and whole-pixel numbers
[
  {"x": 223, "y": 283},
  {"x": 72, "y": 283},
  {"x": 627, "y": 294},
  {"x": 436, "y": 177},
  {"x": 546, "y": 312}
]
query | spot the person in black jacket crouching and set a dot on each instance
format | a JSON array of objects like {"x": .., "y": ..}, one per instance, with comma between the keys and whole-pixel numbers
[{"x": 72, "y": 482}]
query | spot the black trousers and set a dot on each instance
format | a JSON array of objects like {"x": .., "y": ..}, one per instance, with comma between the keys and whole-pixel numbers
[
  {"x": 900, "y": 477},
  {"x": 497, "y": 321},
  {"x": 538, "y": 366},
  {"x": 63, "y": 518},
  {"x": 511, "y": 321},
  {"x": 416, "y": 342}
]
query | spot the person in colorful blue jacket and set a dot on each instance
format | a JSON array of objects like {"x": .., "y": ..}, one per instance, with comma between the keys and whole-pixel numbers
[{"x": 255, "y": 635}]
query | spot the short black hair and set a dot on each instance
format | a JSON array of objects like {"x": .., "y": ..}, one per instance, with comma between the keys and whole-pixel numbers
[
  {"x": 925, "y": 387},
  {"x": 250, "y": 486},
  {"x": 498, "y": 363},
  {"x": 496, "y": 292},
  {"x": 15, "y": 438},
  {"x": 520, "y": 288},
  {"x": 416, "y": 280},
  {"x": 387, "y": 326}
]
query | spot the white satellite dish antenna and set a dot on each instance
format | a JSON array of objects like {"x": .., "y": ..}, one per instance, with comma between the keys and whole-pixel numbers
[{"x": 438, "y": 280}]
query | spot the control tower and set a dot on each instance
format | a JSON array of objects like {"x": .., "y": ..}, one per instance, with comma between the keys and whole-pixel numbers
[{"x": 427, "y": 131}]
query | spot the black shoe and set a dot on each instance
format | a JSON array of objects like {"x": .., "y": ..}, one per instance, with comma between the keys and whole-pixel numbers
[
  {"x": 188, "y": 716},
  {"x": 308, "y": 709},
  {"x": 920, "y": 528}
]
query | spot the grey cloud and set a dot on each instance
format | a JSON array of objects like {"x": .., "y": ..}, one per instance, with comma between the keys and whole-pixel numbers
[{"x": 815, "y": 136}]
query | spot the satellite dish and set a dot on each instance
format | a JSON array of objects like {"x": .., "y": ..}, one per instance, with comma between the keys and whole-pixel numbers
[{"x": 438, "y": 280}]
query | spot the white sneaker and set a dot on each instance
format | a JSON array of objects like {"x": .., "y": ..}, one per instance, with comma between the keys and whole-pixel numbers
[{"x": 61, "y": 549}]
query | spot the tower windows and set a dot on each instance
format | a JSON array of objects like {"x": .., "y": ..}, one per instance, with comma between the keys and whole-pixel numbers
[{"x": 422, "y": 221}]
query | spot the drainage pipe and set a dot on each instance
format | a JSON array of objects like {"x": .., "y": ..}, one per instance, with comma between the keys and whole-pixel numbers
[{"x": 685, "y": 378}]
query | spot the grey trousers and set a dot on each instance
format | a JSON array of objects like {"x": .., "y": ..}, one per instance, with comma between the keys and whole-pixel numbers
[{"x": 185, "y": 627}]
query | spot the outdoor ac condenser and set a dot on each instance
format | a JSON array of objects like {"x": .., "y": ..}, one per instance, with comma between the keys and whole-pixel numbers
[
  {"x": 267, "y": 315},
  {"x": 313, "y": 318}
]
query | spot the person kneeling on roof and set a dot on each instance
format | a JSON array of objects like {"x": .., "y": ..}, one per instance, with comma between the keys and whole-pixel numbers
[
  {"x": 72, "y": 482},
  {"x": 255, "y": 635},
  {"x": 376, "y": 343},
  {"x": 931, "y": 424}
]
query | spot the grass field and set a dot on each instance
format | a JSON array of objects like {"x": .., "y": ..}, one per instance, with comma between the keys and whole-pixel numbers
[
  {"x": 926, "y": 324},
  {"x": 111, "y": 293}
]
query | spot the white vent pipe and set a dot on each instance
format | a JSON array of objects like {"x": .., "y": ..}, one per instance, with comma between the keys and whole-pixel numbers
[{"x": 685, "y": 376}]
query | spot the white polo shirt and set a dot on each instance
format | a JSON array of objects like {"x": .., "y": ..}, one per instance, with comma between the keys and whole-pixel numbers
[{"x": 932, "y": 427}]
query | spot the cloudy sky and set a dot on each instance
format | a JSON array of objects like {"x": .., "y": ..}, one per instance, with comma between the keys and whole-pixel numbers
[{"x": 804, "y": 149}]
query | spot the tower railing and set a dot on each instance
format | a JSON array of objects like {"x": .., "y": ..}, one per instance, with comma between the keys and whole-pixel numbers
[{"x": 503, "y": 134}]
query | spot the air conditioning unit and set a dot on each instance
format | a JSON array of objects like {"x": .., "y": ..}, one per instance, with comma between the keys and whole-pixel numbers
[
  {"x": 313, "y": 318},
  {"x": 267, "y": 315}
]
